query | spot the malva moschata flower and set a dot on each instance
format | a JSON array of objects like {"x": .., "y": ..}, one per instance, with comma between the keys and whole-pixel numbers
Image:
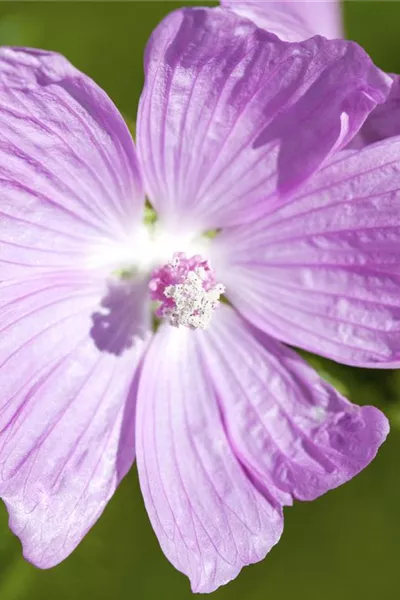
[{"x": 155, "y": 330}]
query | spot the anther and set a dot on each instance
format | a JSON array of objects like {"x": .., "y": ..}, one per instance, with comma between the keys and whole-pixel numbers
[{"x": 187, "y": 291}]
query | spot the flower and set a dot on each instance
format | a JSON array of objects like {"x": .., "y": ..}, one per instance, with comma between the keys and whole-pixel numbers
[{"x": 239, "y": 139}]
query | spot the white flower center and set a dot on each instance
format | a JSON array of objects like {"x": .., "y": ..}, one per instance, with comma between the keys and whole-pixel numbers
[
  {"x": 174, "y": 267},
  {"x": 186, "y": 290}
]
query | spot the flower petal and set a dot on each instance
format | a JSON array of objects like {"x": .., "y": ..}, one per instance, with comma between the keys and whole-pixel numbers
[
  {"x": 384, "y": 121},
  {"x": 294, "y": 434},
  {"x": 292, "y": 20},
  {"x": 322, "y": 272},
  {"x": 231, "y": 116},
  {"x": 69, "y": 178},
  {"x": 209, "y": 518},
  {"x": 67, "y": 408}
]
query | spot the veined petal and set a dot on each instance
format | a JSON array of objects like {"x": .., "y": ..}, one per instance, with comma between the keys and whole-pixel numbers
[
  {"x": 292, "y": 20},
  {"x": 231, "y": 117},
  {"x": 295, "y": 435},
  {"x": 322, "y": 273},
  {"x": 67, "y": 406},
  {"x": 209, "y": 518},
  {"x": 69, "y": 178}
]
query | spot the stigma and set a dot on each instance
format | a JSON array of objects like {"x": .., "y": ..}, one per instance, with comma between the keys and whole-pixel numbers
[{"x": 186, "y": 290}]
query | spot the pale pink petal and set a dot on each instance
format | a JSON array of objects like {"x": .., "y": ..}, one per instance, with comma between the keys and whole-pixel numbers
[
  {"x": 209, "y": 518},
  {"x": 293, "y": 432},
  {"x": 231, "y": 117},
  {"x": 69, "y": 349},
  {"x": 292, "y": 20},
  {"x": 70, "y": 186},
  {"x": 322, "y": 273}
]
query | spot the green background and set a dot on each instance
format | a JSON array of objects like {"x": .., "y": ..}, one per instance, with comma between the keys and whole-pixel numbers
[{"x": 344, "y": 545}]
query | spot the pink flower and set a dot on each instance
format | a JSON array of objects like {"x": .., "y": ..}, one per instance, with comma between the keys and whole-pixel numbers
[{"x": 240, "y": 139}]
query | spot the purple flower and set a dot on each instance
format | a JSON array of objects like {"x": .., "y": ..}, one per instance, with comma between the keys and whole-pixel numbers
[{"x": 239, "y": 140}]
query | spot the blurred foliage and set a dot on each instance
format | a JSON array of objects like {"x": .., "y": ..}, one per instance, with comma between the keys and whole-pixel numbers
[{"x": 345, "y": 544}]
